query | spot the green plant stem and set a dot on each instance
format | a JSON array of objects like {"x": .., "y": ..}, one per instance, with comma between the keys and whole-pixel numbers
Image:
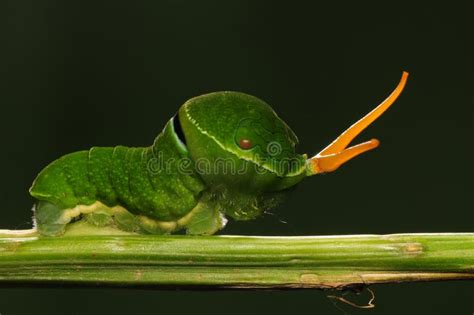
[{"x": 235, "y": 261}]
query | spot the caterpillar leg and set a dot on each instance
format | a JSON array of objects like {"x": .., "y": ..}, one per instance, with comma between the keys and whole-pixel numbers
[
  {"x": 50, "y": 219},
  {"x": 97, "y": 218},
  {"x": 102, "y": 216},
  {"x": 204, "y": 219}
]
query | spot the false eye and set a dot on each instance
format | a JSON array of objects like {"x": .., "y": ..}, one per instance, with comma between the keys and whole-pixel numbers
[{"x": 245, "y": 144}]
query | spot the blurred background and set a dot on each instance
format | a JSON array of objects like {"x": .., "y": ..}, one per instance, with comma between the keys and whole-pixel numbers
[{"x": 77, "y": 74}]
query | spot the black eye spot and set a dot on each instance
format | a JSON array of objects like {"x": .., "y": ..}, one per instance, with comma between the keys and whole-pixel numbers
[
  {"x": 245, "y": 144},
  {"x": 178, "y": 129}
]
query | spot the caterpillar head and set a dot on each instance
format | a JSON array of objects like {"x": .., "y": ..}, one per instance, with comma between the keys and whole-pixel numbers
[
  {"x": 245, "y": 128},
  {"x": 244, "y": 151}
]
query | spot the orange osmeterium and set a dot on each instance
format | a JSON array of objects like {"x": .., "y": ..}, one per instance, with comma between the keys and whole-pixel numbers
[{"x": 337, "y": 153}]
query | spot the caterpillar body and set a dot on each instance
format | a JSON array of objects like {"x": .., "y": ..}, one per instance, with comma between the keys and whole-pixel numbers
[{"x": 224, "y": 154}]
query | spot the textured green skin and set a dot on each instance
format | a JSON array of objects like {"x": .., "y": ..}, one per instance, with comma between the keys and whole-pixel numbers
[
  {"x": 212, "y": 123},
  {"x": 132, "y": 178},
  {"x": 120, "y": 176}
]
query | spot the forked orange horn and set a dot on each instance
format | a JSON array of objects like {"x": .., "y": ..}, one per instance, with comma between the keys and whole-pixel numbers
[{"x": 337, "y": 153}]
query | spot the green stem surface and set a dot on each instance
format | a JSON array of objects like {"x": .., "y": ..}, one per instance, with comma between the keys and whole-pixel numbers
[{"x": 235, "y": 261}]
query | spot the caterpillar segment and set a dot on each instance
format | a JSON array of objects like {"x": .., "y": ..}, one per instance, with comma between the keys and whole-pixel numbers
[{"x": 134, "y": 189}]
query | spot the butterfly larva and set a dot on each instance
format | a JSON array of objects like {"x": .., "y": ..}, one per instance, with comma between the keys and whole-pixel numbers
[{"x": 222, "y": 154}]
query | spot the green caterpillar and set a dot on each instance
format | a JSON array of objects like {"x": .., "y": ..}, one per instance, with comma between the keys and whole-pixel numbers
[{"x": 223, "y": 154}]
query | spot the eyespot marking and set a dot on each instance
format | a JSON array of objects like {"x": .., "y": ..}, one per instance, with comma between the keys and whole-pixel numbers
[{"x": 245, "y": 144}]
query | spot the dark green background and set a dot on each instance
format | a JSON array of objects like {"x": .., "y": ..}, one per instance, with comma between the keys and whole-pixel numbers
[{"x": 75, "y": 75}]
